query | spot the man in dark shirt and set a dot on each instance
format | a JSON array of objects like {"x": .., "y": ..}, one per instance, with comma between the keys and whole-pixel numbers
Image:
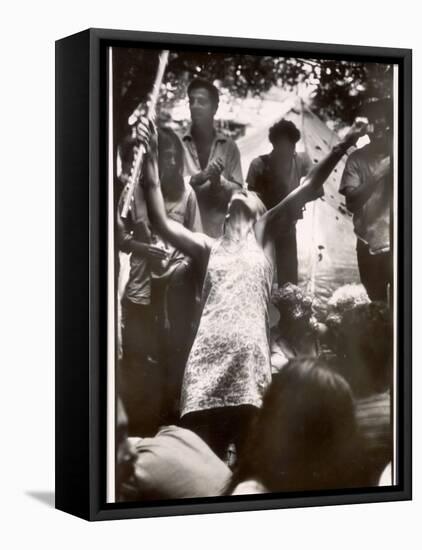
[{"x": 273, "y": 176}]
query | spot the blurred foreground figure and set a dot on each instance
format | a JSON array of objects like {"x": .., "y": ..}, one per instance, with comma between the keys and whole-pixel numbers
[
  {"x": 126, "y": 488},
  {"x": 177, "y": 463},
  {"x": 305, "y": 436},
  {"x": 365, "y": 351}
]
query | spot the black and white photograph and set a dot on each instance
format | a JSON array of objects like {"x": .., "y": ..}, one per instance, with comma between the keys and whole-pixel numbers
[
  {"x": 252, "y": 281},
  {"x": 210, "y": 283}
]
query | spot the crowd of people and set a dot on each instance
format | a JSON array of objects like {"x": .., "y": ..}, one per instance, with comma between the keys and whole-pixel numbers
[{"x": 212, "y": 400}]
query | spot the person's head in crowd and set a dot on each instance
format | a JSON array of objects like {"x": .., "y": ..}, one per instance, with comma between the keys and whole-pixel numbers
[
  {"x": 283, "y": 136},
  {"x": 379, "y": 113},
  {"x": 365, "y": 346},
  {"x": 170, "y": 162},
  {"x": 295, "y": 307},
  {"x": 203, "y": 102},
  {"x": 125, "y": 458},
  {"x": 343, "y": 299},
  {"x": 305, "y": 436}
]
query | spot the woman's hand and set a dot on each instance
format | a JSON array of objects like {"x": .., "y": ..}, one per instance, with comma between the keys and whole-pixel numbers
[
  {"x": 146, "y": 134},
  {"x": 358, "y": 129},
  {"x": 143, "y": 133},
  {"x": 308, "y": 191}
]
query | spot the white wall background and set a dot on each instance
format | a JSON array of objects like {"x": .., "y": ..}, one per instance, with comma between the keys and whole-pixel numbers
[{"x": 28, "y": 31}]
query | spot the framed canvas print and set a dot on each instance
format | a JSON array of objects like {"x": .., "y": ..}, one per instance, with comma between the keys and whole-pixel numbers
[{"x": 233, "y": 277}]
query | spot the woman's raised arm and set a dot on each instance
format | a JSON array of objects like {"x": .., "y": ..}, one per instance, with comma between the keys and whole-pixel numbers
[
  {"x": 196, "y": 245},
  {"x": 266, "y": 226}
]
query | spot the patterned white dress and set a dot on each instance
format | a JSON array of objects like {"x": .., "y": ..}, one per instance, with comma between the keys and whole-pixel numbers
[{"x": 229, "y": 363}]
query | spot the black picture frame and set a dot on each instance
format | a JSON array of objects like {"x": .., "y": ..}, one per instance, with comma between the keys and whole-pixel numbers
[{"x": 81, "y": 275}]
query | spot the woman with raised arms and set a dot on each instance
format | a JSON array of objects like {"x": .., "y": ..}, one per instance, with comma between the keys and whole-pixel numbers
[{"x": 229, "y": 369}]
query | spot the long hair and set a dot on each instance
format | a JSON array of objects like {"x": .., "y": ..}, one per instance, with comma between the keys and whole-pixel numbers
[
  {"x": 167, "y": 138},
  {"x": 305, "y": 436}
]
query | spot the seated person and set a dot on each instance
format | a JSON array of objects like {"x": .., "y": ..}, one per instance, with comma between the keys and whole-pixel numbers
[
  {"x": 125, "y": 458},
  {"x": 364, "y": 345},
  {"x": 296, "y": 334},
  {"x": 305, "y": 437},
  {"x": 177, "y": 463}
]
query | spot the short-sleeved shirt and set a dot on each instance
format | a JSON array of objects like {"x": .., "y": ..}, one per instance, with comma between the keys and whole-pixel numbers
[
  {"x": 213, "y": 202},
  {"x": 137, "y": 227},
  {"x": 372, "y": 220},
  {"x": 177, "y": 463},
  {"x": 273, "y": 188}
]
